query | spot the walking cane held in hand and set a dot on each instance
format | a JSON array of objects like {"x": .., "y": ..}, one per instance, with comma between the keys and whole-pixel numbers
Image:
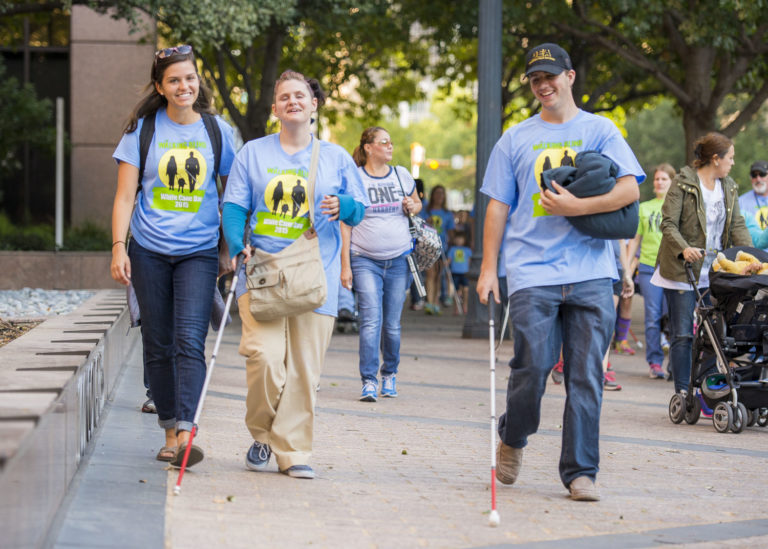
[
  {"x": 230, "y": 297},
  {"x": 493, "y": 518}
]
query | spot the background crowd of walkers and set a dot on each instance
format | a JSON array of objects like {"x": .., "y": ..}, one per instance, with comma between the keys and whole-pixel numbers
[{"x": 569, "y": 293}]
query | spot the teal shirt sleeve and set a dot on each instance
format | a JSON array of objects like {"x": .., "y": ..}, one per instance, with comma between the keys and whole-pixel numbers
[
  {"x": 759, "y": 237},
  {"x": 233, "y": 218},
  {"x": 351, "y": 211}
]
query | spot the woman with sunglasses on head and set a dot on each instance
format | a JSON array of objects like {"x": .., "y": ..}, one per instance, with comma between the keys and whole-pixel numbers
[
  {"x": 284, "y": 356},
  {"x": 172, "y": 259},
  {"x": 374, "y": 259}
]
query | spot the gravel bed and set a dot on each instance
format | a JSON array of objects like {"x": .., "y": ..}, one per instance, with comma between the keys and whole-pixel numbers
[{"x": 37, "y": 303}]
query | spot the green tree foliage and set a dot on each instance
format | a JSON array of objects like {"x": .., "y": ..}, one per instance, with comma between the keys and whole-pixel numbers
[
  {"x": 23, "y": 119},
  {"x": 698, "y": 53}
]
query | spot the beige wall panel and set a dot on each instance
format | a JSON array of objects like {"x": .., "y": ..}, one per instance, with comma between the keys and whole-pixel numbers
[
  {"x": 87, "y": 25},
  {"x": 106, "y": 84}
]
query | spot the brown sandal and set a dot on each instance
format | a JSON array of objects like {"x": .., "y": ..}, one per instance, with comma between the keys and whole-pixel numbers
[{"x": 166, "y": 453}]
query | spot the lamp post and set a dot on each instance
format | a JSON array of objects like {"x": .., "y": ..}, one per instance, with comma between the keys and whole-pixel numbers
[{"x": 488, "y": 132}]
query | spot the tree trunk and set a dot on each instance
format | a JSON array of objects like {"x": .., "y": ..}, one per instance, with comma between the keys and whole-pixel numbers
[{"x": 695, "y": 124}]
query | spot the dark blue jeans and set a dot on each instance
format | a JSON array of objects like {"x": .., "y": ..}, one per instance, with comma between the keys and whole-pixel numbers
[
  {"x": 581, "y": 317},
  {"x": 174, "y": 295},
  {"x": 682, "y": 303},
  {"x": 655, "y": 305}
]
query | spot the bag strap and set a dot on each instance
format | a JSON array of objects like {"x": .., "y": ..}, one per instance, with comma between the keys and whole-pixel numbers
[
  {"x": 214, "y": 134},
  {"x": 311, "y": 179},
  {"x": 145, "y": 140},
  {"x": 410, "y": 215}
]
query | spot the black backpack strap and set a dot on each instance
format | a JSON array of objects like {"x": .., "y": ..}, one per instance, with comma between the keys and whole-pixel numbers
[
  {"x": 214, "y": 134},
  {"x": 145, "y": 140}
]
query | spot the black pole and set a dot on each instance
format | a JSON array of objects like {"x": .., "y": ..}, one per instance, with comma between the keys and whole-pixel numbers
[{"x": 488, "y": 132}]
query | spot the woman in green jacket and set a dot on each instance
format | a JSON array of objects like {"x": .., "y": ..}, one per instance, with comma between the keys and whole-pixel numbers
[{"x": 700, "y": 216}]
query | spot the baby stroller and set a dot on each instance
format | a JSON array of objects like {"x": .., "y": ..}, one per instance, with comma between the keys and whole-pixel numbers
[{"x": 730, "y": 351}]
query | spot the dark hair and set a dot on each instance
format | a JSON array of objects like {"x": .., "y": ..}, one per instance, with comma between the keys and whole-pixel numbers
[
  {"x": 430, "y": 205},
  {"x": 420, "y": 186},
  {"x": 312, "y": 83},
  {"x": 152, "y": 101},
  {"x": 706, "y": 147},
  {"x": 667, "y": 168},
  {"x": 359, "y": 155}
]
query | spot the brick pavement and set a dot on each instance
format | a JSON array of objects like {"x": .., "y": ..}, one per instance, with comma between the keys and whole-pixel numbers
[{"x": 413, "y": 471}]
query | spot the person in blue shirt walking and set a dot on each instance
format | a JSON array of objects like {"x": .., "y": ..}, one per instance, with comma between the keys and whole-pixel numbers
[
  {"x": 559, "y": 279},
  {"x": 173, "y": 258},
  {"x": 458, "y": 257},
  {"x": 754, "y": 204},
  {"x": 284, "y": 356},
  {"x": 441, "y": 219}
]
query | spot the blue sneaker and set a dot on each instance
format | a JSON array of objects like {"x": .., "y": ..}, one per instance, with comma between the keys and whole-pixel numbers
[
  {"x": 299, "y": 471},
  {"x": 706, "y": 411},
  {"x": 257, "y": 457},
  {"x": 369, "y": 392},
  {"x": 388, "y": 386}
]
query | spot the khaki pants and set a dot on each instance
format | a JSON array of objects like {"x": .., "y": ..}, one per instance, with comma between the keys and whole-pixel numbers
[{"x": 283, "y": 362}]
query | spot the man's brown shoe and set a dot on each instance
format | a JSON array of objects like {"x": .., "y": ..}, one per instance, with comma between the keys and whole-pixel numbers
[
  {"x": 584, "y": 489},
  {"x": 508, "y": 462}
]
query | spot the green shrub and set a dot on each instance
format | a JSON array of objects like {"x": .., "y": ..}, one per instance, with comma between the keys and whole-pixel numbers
[
  {"x": 31, "y": 237},
  {"x": 87, "y": 237}
]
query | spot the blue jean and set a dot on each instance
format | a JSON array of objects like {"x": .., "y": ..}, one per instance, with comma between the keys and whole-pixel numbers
[
  {"x": 174, "y": 298},
  {"x": 654, "y": 302},
  {"x": 682, "y": 303},
  {"x": 580, "y": 317},
  {"x": 381, "y": 287}
]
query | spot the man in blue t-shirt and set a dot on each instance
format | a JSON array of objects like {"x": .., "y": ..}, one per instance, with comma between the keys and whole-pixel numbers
[
  {"x": 754, "y": 204},
  {"x": 559, "y": 279}
]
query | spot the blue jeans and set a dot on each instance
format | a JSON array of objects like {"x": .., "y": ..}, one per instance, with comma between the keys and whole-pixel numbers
[
  {"x": 682, "y": 303},
  {"x": 174, "y": 298},
  {"x": 654, "y": 301},
  {"x": 580, "y": 317},
  {"x": 381, "y": 286}
]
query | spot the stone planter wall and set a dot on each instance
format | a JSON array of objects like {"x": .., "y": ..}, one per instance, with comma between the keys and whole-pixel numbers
[
  {"x": 56, "y": 270},
  {"x": 54, "y": 382}
]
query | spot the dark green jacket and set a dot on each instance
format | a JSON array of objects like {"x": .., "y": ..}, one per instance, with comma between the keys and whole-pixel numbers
[{"x": 684, "y": 223}]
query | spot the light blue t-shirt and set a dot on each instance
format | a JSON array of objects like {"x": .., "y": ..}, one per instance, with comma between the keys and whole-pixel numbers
[
  {"x": 459, "y": 256},
  {"x": 542, "y": 249},
  {"x": 441, "y": 220},
  {"x": 755, "y": 208},
  {"x": 178, "y": 208},
  {"x": 383, "y": 233},
  {"x": 273, "y": 186}
]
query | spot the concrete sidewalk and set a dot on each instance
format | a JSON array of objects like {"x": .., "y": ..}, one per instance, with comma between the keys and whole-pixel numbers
[{"x": 414, "y": 471}]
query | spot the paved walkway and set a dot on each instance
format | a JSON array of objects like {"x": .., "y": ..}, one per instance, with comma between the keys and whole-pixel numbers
[{"x": 413, "y": 471}]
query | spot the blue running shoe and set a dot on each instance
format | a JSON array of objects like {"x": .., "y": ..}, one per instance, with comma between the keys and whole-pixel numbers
[
  {"x": 369, "y": 392},
  {"x": 299, "y": 471},
  {"x": 257, "y": 457},
  {"x": 706, "y": 411},
  {"x": 388, "y": 386}
]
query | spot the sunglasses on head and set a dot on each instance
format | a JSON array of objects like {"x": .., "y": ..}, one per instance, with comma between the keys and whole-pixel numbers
[
  {"x": 168, "y": 52},
  {"x": 757, "y": 174}
]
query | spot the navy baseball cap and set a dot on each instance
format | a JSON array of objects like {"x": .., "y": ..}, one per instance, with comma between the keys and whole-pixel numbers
[{"x": 547, "y": 57}]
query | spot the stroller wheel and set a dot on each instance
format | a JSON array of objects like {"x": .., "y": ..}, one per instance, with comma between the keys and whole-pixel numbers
[
  {"x": 692, "y": 409},
  {"x": 751, "y": 417},
  {"x": 739, "y": 418},
  {"x": 677, "y": 408},
  {"x": 722, "y": 417},
  {"x": 762, "y": 417}
]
